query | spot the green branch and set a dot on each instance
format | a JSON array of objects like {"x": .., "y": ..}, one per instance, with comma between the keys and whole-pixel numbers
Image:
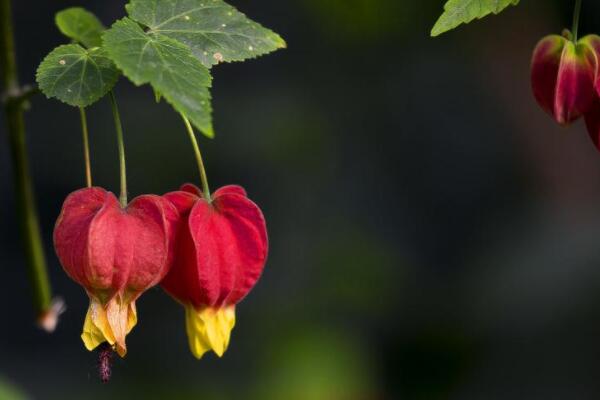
[{"x": 13, "y": 98}]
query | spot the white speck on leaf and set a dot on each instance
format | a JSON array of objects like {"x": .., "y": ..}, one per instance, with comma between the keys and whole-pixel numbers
[
  {"x": 62, "y": 62},
  {"x": 218, "y": 57},
  {"x": 187, "y": 17}
]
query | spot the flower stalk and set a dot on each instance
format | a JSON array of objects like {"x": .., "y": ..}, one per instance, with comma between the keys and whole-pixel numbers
[
  {"x": 86, "y": 147},
  {"x": 576, "y": 15},
  {"x": 199, "y": 161},
  {"x": 121, "y": 144}
]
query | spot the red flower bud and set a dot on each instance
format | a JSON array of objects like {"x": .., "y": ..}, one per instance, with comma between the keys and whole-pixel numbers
[
  {"x": 116, "y": 254},
  {"x": 220, "y": 253},
  {"x": 563, "y": 74},
  {"x": 592, "y": 117},
  {"x": 592, "y": 122}
]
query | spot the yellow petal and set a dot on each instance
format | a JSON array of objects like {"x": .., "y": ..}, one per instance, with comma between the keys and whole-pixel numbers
[
  {"x": 109, "y": 323},
  {"x": 209, "y": 329},
  {"x": 132, "y": 317},
  {"x": 96, "y": 329}
]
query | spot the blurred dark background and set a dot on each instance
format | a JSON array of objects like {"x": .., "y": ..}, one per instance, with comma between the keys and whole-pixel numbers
[{"x": 434, "y": 235}]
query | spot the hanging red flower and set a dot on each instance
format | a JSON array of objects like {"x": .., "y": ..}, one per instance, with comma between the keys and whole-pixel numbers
[
  {"x": 220, "y": 253},
  {"x": 116, "y": 254},
  {"x": 563, "y": 74}
]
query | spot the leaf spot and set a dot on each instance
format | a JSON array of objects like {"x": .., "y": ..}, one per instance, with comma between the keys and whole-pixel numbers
[{"x": 218, "y": 57}]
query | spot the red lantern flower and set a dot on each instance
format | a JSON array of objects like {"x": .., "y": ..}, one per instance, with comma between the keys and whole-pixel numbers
[
  {"x": 592, "y": 117},
  {"x": 115, "y": 253},
  {"x": 563, "y": 74},
  {"x": 220, "y": 253}
]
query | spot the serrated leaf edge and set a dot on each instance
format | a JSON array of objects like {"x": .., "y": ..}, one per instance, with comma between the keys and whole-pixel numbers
[
  {"x": 279, "y": 41},
  {"x": 207, "y": 131},
  {"x": 437, "y": 31}
]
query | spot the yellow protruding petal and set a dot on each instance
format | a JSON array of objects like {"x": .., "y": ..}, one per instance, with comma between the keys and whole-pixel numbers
[
  {"x": 132, "y": 317},
  {"x": 109, "y": 323},
  {"x": 209, "y": 329},
  {"x": 96, "y": 329}
]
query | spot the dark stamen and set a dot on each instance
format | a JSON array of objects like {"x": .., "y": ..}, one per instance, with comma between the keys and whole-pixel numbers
[{"x": 105, "y": 355}]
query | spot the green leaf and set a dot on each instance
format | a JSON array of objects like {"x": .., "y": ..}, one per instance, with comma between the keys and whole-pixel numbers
[
  {"x": 80, "y": 25},
  {"x": 214, "y": 31},
  {"x": 167, "y": 65},
  {"x": 77, "y": 76},
  {"x": 10, "y": 392},
  {"x": 458, "y": 12}
]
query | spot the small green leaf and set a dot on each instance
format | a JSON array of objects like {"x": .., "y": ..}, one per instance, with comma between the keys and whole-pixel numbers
[
  {"x": 458, "y": 12},
  {"x": 80, "y": 25},
  {"x": 77, "y": 76},
  {"x": 167, "y": 65},
  {"x": 215, "y": 31}
]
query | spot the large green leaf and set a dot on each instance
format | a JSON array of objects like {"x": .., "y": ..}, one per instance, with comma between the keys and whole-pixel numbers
[
  {"x": 214, "y": 31},
  {"x": 166, "y": 64},
  {"x": 10, "y": 392},
  {"x": 80, "y": 25},
  {"x": 458, "y": 12},
  {"x": 77, "y": 76}
]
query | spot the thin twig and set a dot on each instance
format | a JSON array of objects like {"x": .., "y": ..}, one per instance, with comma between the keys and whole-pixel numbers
[{"x": 14, "y": 104}]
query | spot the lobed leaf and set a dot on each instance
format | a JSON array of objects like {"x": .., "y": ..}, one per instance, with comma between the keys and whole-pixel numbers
[
  {"x": 458, "y": 12},
  {"x": 77, "y": 76},
  {"x": 167, "y": 65},
  {"x": 80, "y": 25},
  {"x": 214, "y": 31}
]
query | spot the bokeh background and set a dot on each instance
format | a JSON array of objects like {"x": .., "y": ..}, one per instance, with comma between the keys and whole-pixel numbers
[{"x": 434, "y": 235}]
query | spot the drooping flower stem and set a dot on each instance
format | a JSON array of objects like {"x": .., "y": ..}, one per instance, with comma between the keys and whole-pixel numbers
[
  {"x": 576, "y": 14},
  {"x": 121, "y": 144},
  {"x": 86, "y": 147},
  {"x": 203, "y": 177},
  {"x": 14, "y": 97}
]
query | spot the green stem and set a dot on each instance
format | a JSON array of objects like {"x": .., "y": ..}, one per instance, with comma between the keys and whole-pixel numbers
[
  {"x": 121, "y": 144},
  {"x": 8, "y": 57},
  {"x": 26, "y": 208},
  {"x": 576, "y": 14},
  {"x": 203, "y": 177},
  {"x": 86, "y": 148}
]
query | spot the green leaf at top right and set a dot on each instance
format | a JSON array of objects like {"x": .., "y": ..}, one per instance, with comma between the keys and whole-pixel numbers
[
  {"x": 458, "y": 12},
  {"x": 213, "y": 30}
]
